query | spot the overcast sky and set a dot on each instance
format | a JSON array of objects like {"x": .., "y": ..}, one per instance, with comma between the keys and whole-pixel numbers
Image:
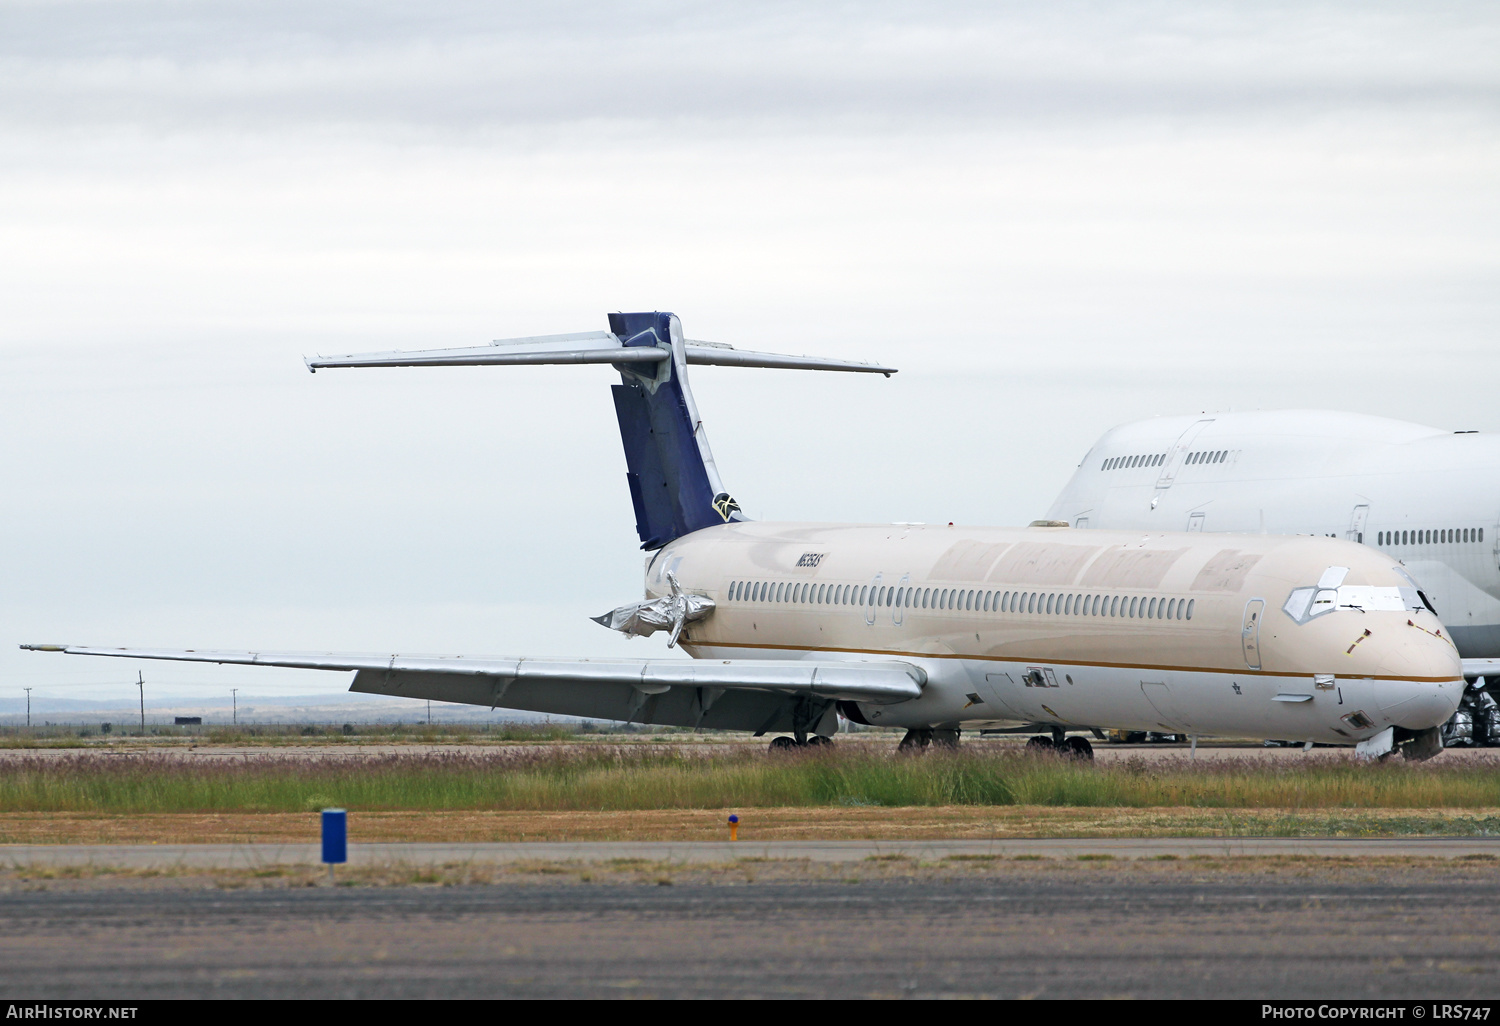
[{"x": 1052, "y": 217}]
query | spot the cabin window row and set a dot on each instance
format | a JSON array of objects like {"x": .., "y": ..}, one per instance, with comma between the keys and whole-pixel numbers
[
  {"x": 1440, "y": 536},
  {"x": 1126, "y": 462},
  {"x": 966, "y": 600},
  {"x": 1157, "y": 459}
]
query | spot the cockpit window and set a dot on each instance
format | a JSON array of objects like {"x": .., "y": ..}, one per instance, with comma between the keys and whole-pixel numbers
[{"x": 1330, "y": 594}]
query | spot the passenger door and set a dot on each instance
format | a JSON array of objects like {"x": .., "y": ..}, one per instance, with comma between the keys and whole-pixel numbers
[
  {"x": 1179, "y": 453},
  {"x": 1357, "y": 520},
  {"x": 1250, "y": 632}
]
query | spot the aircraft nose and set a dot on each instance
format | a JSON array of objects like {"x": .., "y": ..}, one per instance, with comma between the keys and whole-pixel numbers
[
  {"x": 1417, "y": 705},
  {"x": 1419, "y": 678}
]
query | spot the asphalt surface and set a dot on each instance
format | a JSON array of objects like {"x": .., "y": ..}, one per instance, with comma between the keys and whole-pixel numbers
[
  {"x": 1084, "y": 932},
  {"x": 251, "y": 856}
]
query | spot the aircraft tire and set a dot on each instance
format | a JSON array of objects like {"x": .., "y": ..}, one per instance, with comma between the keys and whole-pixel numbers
[
  {"x": 1040, "y": 743},
  {"x": 783, "y": 744},
  {"x": 1078, "y": 748}
]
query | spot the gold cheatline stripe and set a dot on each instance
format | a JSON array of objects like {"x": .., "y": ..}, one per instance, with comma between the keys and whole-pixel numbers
[{"x": 895, "y": 653}]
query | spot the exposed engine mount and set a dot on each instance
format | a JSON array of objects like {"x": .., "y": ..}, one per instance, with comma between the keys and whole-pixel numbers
[{"x": 670, "y": 612}]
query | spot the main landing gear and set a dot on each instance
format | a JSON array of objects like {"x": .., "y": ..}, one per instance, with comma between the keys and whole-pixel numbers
[
  {"x": 788, "y": 744},
  {"x": 919, "y": 738},
  {"x": 1069, "y": 747}
]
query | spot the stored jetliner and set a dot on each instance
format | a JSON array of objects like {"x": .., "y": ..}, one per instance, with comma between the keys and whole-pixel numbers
[
  {"x": 938, "y": 629},
  {"x": 1428, "y": 498}
]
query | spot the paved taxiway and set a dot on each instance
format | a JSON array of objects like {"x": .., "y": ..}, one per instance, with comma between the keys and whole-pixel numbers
[
  {"x": 251, "y": 856},
  {"x": 1077, "y": 931}
]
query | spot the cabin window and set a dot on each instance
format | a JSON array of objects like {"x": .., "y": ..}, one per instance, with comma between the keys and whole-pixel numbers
[
  {"x": 1133, "y": 601},
  {"x": 862, "y": 594},
  {"x": 1172, "y": 609}
]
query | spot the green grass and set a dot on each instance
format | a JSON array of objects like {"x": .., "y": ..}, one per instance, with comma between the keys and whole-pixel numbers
[{"x": 588, "y": 778}]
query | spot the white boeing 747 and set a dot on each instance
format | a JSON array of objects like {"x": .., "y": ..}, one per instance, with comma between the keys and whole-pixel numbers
[
  {"x": 938, "y": 629},
  {"x": 1428, "y": 499}
]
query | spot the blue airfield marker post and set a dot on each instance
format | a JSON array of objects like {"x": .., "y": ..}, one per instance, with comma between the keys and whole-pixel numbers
[{"x": 335, "y": 838}]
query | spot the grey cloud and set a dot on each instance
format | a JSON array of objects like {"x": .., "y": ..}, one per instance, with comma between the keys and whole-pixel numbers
[{"x": 473, "y": 67}]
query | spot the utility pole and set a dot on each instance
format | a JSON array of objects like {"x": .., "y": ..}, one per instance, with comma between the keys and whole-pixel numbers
[
  {"x": 28, "y": 706},
  {"x": 140, "y": 682},
  {"x": 429, "y": 712},
  {"x": 234, "y": 696}
]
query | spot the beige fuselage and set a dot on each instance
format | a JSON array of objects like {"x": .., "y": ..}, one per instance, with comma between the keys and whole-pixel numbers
[{"x": 1162, "y": 631}]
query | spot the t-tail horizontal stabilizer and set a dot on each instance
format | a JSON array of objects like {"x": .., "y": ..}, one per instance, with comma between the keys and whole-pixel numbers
[{"x": 674, "y": 485}]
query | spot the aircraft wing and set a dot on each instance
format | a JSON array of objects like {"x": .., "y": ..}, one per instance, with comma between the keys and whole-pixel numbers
[
  {"x": 589, "y": 347},
  {"x": 1481, "y": 667},
  {"x": 485, "y": 680}
]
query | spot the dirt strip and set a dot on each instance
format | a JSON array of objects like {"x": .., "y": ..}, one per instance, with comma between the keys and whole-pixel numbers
[{"x": 771, "y": 824}]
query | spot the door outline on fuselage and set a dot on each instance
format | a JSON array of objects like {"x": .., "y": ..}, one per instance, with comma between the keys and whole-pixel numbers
[
  {"x": 1250, "y": 632},
  {"x": 1160, "y": 696},
  {"x": 1178, "y": 453},
  {"x": 898, "y": 614},
  {"x": 873, "y": 603},
  {"x": 1357, "y": 519}
]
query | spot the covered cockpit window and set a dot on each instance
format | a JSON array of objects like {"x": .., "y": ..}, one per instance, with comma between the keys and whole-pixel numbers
[{"x": 1331, "y": 593}]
